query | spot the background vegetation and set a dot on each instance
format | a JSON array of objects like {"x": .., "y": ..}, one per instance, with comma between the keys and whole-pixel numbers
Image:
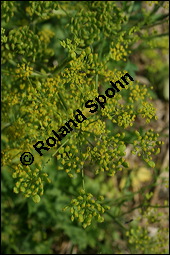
[{"x": 111, "y": 173}]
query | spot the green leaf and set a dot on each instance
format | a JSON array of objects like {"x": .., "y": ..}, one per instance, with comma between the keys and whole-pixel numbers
[
  {"x": 122, "y": 149},
  {"x": 151, "y": 164},
  {"x": 36, "y": 199},
  {"x": 131, "y": 68},
  {"x": 7, "y": 46},
  {"x": 157, "y": 151},
  {"x": 125, "y": 164}
]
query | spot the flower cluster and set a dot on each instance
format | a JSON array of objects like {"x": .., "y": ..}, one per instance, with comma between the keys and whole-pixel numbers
[
  {"x": 23, "y": 71},
  {"x": 148, "y": 111},
  {"x": 8, "y": 10},
  {"x": 85, "y": 207},
  {"x": 42, "y": 9},
  {"x": 118, "y": 52},
  {"x": 156, "y": 64},
  {"x": 30, "y": 182},
  {"x": 146, "y": 144},
  {"x": 3, "y": 37},
  {"x": 22, "y": 43},
  {"x": 95, "y": 19},
  {"x": 149, "y": 239},
  {"x": 124, "y": 113},
  {"x": 108, "y": 154}
]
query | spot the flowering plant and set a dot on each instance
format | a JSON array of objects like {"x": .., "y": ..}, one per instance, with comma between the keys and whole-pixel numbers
[{"x": 57, "y": 55}]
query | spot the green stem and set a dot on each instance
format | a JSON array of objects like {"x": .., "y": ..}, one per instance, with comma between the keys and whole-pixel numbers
[
  {"x": 156, "y": 7},
  {"x": 5, "y": 126},
  {"x": 102, "y": 47},
  {"x": 40, "y": 75},
  {"x": 12, "y": 62},
  {"x": 82, "y": 174},
  {"x": 141, "y": 205},
  {"x": 96, "y": 84},
  {"x": 55, "y": 153},
  {"x": 90, "y": 143},
  {"x": 59, "y": 148},
  {"x": 62, "y": 100},
  {"x": 116, "y": 220},
  {"x": 64, "y": 11},
  {"x": 148, "y": 48},
  {"x": 162, "y": 17},
  {"x": 6, "y": 71},
  {"x": 60, "y": 67},
  {"x": 157, "y": 23},
  {"x": 155, "y": 36}
]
